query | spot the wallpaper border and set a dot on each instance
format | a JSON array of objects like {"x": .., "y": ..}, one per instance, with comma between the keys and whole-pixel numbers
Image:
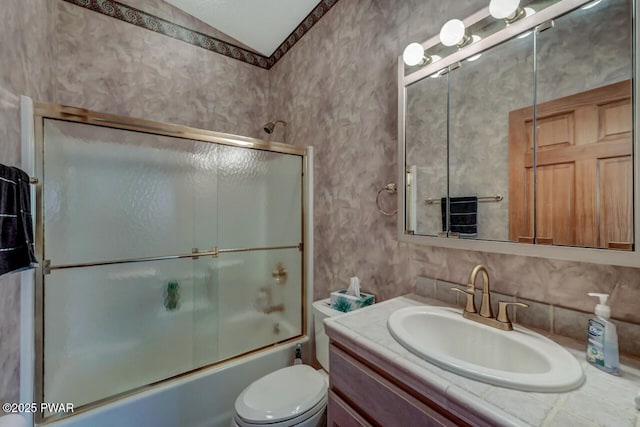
[{"x": 150, "y": 22}]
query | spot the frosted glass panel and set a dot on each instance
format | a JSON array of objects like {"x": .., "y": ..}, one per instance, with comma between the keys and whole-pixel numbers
[
  {"x": 257, "y": 310},
  {"x": 111, "y": 194},
  {"x": 259, "y": 198},
  {"x": 110, "y": 329},
  {"x": 206, "y": 299},
  {"x": 115, "y": 194}
]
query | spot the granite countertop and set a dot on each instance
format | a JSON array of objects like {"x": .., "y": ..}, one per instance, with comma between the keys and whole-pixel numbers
[{"x": 603, "y": 399}]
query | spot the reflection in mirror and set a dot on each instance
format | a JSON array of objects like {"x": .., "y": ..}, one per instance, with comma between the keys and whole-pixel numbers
[
  {"x": 482, "y": 94},
  {"x": 576, "y": 187},
  {"x": 426, "y": 153},
  {"x": 583, "y": 133}
]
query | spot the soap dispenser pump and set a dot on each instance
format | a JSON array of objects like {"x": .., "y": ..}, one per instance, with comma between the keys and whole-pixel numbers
[{"x": 602, "y": 338}]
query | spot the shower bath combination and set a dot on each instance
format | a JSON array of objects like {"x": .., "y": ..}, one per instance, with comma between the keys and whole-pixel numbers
[{"x": 113, "y": 298}]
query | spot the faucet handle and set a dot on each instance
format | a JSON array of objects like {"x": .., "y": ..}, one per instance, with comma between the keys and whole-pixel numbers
[
  {"x": 470, "y": 306},
  {"x": 503, "y": 314}
]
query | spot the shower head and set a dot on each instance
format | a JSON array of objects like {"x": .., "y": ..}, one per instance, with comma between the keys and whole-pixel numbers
[{"x": 268, "y": 128}]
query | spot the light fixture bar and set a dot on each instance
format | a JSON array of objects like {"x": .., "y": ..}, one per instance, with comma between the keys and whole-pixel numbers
[{"x": 506, "y": 33}]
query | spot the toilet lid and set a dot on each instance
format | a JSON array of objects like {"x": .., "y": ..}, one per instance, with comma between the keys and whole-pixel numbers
[{"x": 284, "y": 394}]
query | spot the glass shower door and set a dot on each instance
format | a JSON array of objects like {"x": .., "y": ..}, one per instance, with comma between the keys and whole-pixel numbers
[
  {"x": 113, "y": 195},
  {"x": 161, "y": 255},
  {"x": 260, "y": 262}
]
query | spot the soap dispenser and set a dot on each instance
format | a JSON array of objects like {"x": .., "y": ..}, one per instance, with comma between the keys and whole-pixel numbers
[{"x": 602, "y": 338}]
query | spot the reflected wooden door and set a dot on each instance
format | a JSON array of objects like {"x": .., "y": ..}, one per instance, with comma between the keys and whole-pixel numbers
[{"x": 584, "y": 176}]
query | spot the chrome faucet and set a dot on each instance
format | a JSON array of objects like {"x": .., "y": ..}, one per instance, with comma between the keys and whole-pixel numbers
[{"x": 486, "y": 314}]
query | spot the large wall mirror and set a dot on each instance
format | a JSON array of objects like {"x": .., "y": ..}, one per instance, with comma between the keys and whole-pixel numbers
[{"x": 525, "y": 142}]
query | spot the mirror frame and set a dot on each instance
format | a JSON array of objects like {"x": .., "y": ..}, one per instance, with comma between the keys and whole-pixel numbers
[{"x": 569, "y": 253}]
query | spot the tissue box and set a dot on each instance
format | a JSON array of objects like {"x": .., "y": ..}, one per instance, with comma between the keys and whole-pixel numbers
[{"x": 342, "y": 302}]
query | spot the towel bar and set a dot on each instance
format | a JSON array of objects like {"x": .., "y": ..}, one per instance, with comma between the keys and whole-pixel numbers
[
  {"x": 389, "y": 188},
  {"x": 497, "y": 198}
]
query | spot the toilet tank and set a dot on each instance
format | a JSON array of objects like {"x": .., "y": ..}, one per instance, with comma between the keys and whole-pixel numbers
[{"x": 322, "y": 310}]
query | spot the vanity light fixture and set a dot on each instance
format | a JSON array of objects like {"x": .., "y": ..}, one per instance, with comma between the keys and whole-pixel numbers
[
  {"x": 509, "y": 10},
  {"x": 414, "y": 55},
  {"x": 453, "y": 33}
]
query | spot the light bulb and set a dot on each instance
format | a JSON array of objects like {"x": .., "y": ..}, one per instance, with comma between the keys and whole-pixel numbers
[
  {"x": 504, "y": 9},
  {"x": 413, "y": 54},
  {"x": 452, "y": 33}
]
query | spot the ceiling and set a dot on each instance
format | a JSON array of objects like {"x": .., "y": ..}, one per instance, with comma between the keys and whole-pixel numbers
[{"x": 262, "y": 25}]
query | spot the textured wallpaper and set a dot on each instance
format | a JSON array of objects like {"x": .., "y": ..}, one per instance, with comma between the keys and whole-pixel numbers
[{"x": 110, "y": 66}]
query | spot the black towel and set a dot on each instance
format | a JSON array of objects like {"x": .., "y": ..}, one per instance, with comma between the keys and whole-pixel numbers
[
  {"x": 463, "y": 215},
  {"x": 16, "y": 226}
]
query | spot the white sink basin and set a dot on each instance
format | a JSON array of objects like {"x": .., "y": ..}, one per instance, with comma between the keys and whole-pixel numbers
[{"x": 518, "y": 359}]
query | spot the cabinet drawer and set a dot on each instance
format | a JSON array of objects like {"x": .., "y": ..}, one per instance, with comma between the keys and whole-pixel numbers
[
  {"x": 377, "y": 399},
  {"x": 340, "y": 414}
]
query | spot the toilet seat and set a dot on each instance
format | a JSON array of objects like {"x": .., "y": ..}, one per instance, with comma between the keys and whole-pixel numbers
[
  {"x": 282, "y": 396},
  {"x": 316, "y": 416}
]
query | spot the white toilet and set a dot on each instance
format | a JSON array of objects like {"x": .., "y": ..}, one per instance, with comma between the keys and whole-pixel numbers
[{"x": 291, "y": 396}]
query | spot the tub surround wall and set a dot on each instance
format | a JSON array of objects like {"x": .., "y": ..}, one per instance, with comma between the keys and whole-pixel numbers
[
  {"x": 337, "y": 87},
  {"x": 25, "y": 69}
]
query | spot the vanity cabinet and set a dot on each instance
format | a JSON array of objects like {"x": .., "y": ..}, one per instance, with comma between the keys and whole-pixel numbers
[{"x": 362, "y": 394}]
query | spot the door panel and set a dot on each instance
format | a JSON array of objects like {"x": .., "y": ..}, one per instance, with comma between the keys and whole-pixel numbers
[
  {"x": 616, "y": 205},
  {"x": 583, "y": 163}
]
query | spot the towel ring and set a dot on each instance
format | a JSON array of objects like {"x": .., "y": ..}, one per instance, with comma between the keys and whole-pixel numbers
[{"x": 389, "y": 188}]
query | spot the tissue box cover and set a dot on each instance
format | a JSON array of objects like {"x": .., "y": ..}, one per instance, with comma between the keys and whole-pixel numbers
[{"x": 342, "y": 302}]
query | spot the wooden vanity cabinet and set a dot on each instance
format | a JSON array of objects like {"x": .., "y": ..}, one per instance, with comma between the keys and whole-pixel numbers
[{"x": 362, "y": 394}]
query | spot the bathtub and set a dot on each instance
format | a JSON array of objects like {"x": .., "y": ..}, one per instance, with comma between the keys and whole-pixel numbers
[{"x": 202, "y": 399}]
